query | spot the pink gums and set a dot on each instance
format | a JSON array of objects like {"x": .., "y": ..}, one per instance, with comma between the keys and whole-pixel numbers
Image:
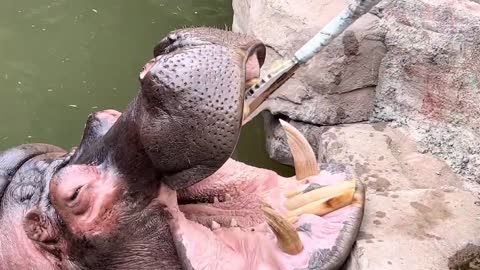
[{"x": 251, "y": 245}]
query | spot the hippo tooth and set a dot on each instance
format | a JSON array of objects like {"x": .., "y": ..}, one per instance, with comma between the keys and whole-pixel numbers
[
  {"x": 292, "y": 194},
  {"x": 318, "y": 194},
  {"x": 252, "y": 82},
  {"x": 215, "y": 225},
  {"x": 246, "y": 110},
  {"x": 326, "y": 205},
  {"x": 228, "y": 197},
  {"x": 304, "y": 158},
  {"x": 288, "y": 239},
  {"x": 215, "y": 200},
  {"x": 294, "y": 219},
  {"x": 233, "y": 223}
]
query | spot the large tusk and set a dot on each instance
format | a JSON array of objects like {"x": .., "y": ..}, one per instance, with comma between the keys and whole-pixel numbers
[
  {"x": 291, "y": 194},
  {"x": 319, "y": 194},
  {"x": 325, "y": 206},
  {"x": 288, "y": 239},
  {"x": 304, "y": 158}
]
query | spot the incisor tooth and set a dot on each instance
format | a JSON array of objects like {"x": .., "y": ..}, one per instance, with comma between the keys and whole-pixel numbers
[
  {"x": 319, "y": 194},
  {"x": 304, "y": 158},
  {"x": 252, "y": 82},
  {"x": 291, "y": 194},
  {"x": 228, "y": 197},
  {"x": 233, "y": 223},
  {"x": 325, "y": 206},
  {"x": 215, "y": 225},
  {"x": 288, "y": 239},
  {"x": 246, "y": 110},
  {"x": 215, "y": 200}
]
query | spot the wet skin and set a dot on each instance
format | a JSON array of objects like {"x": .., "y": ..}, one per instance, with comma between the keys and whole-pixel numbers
[{"x": 154, "y": 187}]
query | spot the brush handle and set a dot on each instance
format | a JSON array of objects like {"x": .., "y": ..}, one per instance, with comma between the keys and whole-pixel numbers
[{"x": 334, "y": 29}]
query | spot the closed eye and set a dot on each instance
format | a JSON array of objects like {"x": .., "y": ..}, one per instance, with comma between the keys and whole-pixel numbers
[{"x": 75, "y": 194}]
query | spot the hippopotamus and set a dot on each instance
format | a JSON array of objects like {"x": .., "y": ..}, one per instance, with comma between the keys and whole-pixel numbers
[{"x": 155, "y": 187}]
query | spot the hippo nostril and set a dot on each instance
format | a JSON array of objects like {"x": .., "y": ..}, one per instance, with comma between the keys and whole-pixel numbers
[{"x": 172, "y": 38}]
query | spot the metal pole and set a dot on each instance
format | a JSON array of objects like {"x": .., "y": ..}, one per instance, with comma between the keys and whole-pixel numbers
[{"x": 259, "y": 92}]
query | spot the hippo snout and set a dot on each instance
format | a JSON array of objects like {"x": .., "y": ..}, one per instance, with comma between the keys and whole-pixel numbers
[{"x": 196, "y": 83}]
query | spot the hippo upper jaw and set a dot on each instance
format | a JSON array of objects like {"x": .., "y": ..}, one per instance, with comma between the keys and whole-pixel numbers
[
  {"x": 254, "y": 50},
  {"x": 193, "y": 91}
]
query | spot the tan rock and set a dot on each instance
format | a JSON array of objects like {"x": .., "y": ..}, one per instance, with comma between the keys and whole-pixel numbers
[{"x": 415, "y": 229}]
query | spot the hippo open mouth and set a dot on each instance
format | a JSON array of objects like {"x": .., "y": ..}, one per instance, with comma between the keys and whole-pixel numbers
[
  {"x": 236, "y": 211},
  {"x": 155, "y": 187},
  {"x": 249, "y": 218}
]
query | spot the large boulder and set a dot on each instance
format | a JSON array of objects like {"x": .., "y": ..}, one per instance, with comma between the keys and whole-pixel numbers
[
  {"x": 413, "y": 63},
  {"x": 395, "y": 98},
  {"x": 338, "y": 85},
  {"x": 418, "y": 229},
  {"x": 417, "y": 215},
  {"x": 429, "y": 78}
]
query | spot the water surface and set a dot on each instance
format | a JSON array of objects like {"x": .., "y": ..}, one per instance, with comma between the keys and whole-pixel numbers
[{"x": 62, "y": 60}]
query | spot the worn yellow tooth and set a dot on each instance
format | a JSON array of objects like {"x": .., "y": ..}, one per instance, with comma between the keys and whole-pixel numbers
[
  {"x": 233, "y": 223},
  {"x": 292, "y": 194},
  {"x": 319, "y": 194},
  {"x": 293, "y": 220},
  {"x": 215, "y": 225},
  {"x": 265, "y": 204},
  {"x": 246, "y": 110},
  {"x": 215, "y": 200},
  {"x": 325, "y": 206},
  {"x": 288, "y": 239},
  {"x": 252, "y": 82},
  {"x": 304, "y": 158}
]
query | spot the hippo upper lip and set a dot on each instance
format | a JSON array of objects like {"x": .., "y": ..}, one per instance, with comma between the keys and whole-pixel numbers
[{"x": 260, "y": 50}]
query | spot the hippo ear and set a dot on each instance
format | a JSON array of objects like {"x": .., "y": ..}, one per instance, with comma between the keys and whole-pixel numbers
[{"x": 39, "y": 228}]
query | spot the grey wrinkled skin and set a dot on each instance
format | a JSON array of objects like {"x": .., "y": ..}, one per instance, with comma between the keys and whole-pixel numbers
[
  {"x": 188, "y": 115},
  {"x": 203, "y": 76},
  {"x": 181, "y": 127}
]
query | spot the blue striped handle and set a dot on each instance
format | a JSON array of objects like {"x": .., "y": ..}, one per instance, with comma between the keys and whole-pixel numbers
[{"x": 333, "y": 29}]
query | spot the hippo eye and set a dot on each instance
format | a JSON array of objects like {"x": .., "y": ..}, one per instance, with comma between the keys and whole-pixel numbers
[{"x": 75, "y": 194}]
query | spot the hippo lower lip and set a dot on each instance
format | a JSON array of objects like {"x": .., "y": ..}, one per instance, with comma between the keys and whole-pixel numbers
[{"x": 243, "y": 210}]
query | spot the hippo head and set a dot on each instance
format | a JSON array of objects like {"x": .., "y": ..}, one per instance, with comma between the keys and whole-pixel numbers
[{"x": 155, "y": 188}]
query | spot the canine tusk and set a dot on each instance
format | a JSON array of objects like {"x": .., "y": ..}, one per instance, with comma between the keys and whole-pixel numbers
[{"x": 304, "y": 158}]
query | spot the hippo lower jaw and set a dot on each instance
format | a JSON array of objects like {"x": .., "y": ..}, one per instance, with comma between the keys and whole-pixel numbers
[{"x": 251, "y": 218}]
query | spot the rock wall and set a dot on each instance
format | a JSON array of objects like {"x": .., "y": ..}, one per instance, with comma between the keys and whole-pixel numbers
[
  {"x": 338, "y": 86},
  {"x": 411, "y": 63},
  {"x": 396, "y": 97},
  {"x": 429, "y": 78}
]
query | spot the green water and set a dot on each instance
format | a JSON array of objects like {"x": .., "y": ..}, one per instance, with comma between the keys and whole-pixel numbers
[{"x": 61, "y": 60}]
